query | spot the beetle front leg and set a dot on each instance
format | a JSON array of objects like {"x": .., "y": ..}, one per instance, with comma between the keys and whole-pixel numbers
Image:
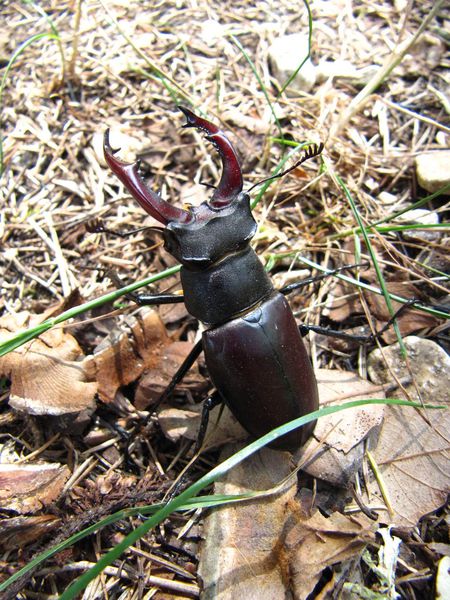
[
  {"x": 146, "y": 299},
  {"x": 155, "y": 299}
]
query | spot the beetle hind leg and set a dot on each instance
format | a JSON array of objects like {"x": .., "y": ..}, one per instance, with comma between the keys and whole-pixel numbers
[{"x": 211, "y": 402}]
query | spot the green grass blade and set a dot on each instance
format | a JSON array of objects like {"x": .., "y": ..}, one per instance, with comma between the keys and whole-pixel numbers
[
  {"x": 310, "y": 31},
  {"x": 22, "y": 337},
  {"x": 260, "y": 81},
  {"x": 191, "y": 504},
  {"x": 55, "y": 31},
  {"x": 412, "y": 226},
  {"x": 9, "y": 66},
  {"x": 373, "y": 257},
  {"x": 370, "y": 288},
  {"x": 444, "y": 190}
]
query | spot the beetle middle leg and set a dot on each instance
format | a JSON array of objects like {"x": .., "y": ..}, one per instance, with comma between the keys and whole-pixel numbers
[
  {"x": 293, "y": 287},
  {"x": 146, "y": 299},
  {"x": 363, "y": 339},
  {"x": 211, "y": 402},
  {"x": 180, "y": 373}
]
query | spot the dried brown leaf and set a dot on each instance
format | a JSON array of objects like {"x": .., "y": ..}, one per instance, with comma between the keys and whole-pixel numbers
[
  {"x": 157, "y": 378},
  {"x": 413, "y": 459},
  {"x": 27, "y": 488},
  {"x": 409, "y": 321},
  {"x": 338, "y": 440},
  {"x": 17, "y": 532},
  {"x": 316, "y": 542},
  {"x": 222, "y": 427},
  {"x": 412, "y": 452},
  {"x": 239, "y": 556},
  {"x": 121, "y": 360},
  {"x": 346, "y": 305},
  {"x": 49, "y": 375}
]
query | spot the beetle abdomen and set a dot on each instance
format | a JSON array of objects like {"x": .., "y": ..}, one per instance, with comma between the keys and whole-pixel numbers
[{"x": 260, "y": 366}]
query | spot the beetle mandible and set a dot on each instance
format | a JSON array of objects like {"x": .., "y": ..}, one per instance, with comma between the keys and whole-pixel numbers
[{"x": 253, "y": 349}]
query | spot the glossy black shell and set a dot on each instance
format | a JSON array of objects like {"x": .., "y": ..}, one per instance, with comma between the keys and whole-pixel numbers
[{"x": 260, "y": 366}]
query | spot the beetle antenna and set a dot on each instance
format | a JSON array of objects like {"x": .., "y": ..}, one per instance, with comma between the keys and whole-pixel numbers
[
  {"x": 310, "y": 152},
  {"x": 96, "y": 226},
  {"x": 211, "y": 186}
]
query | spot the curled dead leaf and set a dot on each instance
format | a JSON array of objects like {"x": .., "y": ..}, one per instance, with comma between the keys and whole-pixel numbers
[
  {"x": 316, "y": 542},
  {"x": 121, "y": 359},
  {"x": 337, "y": 445},
  {"x": 49, "y": 375}
]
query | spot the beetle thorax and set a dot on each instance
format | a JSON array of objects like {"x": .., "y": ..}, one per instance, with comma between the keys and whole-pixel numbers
[{"x": 213, "y": 233}]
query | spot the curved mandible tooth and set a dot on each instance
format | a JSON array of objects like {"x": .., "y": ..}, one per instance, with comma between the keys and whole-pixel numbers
[
  {"x": 150, "y": 201},
  {"x": 231, "y": 183}
]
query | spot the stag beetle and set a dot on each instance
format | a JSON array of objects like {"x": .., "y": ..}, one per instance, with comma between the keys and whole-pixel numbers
[{"x": 253, "y": 348}]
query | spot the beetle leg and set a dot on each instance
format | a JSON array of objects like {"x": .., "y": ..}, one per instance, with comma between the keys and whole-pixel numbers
[
  {"x": 155, "y": 299},
  {"x": 231, "y": 183},
  {"x": 181, "y": 372},
  {"x": 291, "y": 287},
  {"x": 211, "y": 402},
  {"x": 363, "y": 340},
  {"x": 145, "y": 299}
]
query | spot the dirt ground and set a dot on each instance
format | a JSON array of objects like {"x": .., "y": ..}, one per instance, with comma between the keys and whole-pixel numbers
[{"x": 78, "y": 437}]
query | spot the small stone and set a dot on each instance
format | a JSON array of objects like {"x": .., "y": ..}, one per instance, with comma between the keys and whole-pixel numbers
[
  {"x": 420, "y": 215},
  {"x": 434, "y": 258},
  {"x": 424, "y": 217},
  {"x": 285, "y": 55},
  {"x": 443, "y": 578},
  {"x": 370, "y": 184},
  {"x": 128, "y": 145},
  {"x": 433, "y": 170},
  {"x": 212, "y": 32},
  {"x": 387, "y": 198},
  {"x": 118, "y": 65},
  {"x": 400, "y": 5},
  {"x": 429, "y": 363},
  {"x": 441, "y": 138}
]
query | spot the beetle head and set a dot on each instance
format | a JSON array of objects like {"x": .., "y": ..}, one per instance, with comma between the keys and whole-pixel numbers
[{"x": 203, "y": 234}]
